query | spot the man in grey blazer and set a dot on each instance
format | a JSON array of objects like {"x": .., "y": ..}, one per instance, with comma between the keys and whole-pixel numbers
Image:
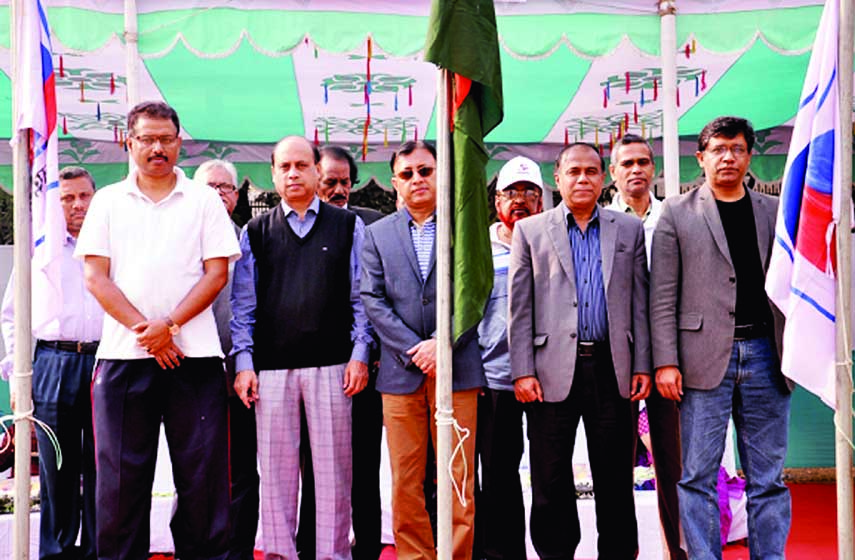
[
  {"x": 399, "y": 293},
  {"x": 716, "y": 339},
  {"x": 580, "y": 348}
]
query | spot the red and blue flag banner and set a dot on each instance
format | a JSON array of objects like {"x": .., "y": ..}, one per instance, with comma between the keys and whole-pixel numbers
[
  {"x": 36, "y": 113},
  {"x": 801, "y": 279}
]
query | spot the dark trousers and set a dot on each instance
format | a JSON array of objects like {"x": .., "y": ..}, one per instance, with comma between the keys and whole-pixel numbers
[
  {"x": 499, "y": 508},
  {"x": 367, "y": 414},
  {"x": 594, "y": 397},
  {"x": 130, "y": 399},
  {"x": 243, "y": 509},
  {"x": 61, "y": 382},
  {"x": 663, "y": 416}
]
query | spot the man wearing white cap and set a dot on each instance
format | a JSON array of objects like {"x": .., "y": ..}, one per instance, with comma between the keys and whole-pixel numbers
[{"x": 500, "y": 510}]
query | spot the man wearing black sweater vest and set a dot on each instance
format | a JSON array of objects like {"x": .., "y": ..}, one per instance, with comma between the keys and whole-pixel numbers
[{"x": 298, "y": 322}]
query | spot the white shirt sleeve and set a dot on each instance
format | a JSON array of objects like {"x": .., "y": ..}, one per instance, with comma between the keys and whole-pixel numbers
[{"x": 218, "y": 233}]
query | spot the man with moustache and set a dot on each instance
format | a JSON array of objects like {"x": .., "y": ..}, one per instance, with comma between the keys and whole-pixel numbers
[
  {"x": 157, "y": 248},
  {"x": 338, "y": 175},
  {"x": 221, "y": 176},
  {"x": 298, "y": 322},
  {"x": 500, "y": 511},
  {"x": 717, "y": 342},
  {"x": 633, "y": 169},
  {"x": 580, "y": 348},
  {"x": 399, "y": 291},
  {"x": 62, "y": 370}
]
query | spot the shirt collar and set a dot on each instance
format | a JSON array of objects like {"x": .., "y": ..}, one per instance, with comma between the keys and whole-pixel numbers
[
  {"x": 569, "y": 220},
  {"x": 627, "y": 209},
  {"x": 411, "y": 222},
  {"x": 494, "y": 236},
  {"x": 181, "y": 182},
  {"x": 314, "y": 206}
]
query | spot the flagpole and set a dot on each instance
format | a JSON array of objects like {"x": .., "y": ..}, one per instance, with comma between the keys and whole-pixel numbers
[
  {"x": 444, "y": 403},
  {"x": 670, "y": 135},
  {"x": 843, "y": 413},
  {"x": 22, "y": 377}
]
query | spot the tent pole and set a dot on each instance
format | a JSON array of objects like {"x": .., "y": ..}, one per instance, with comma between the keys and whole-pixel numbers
[
  {"x": 444, "y": 408},
  {"x": 843, "y": 414},
  {"x": 22, "y": 377},
  {"x": 670, "y": 136},
  {"x": 132, "y": 56}
]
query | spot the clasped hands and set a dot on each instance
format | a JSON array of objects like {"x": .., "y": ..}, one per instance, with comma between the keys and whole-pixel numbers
[{"x": 154, "y": 337}]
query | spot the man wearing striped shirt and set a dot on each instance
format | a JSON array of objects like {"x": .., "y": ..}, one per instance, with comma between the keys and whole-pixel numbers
[
  {"x": 399, "y": 292},
  {"x": 500, "y": 513},
  {"x": 580, "y": 348}
]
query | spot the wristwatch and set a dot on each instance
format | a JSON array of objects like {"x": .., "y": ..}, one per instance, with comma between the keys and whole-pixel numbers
[{"x": 174, "y": 328}]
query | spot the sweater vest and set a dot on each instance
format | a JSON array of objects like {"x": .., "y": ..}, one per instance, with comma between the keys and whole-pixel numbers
[{"x": 303, "y": 314}]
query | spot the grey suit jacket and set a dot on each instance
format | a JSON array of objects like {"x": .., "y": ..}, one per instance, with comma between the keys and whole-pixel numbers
[
  {"x": 543, "y": 319},
  {"x": 693, "y": 285},
  {"x": 402, "y": 309}
]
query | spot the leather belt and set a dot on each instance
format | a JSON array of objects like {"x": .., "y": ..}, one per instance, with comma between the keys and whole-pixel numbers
[
  {"x": 747, "y": 332},
  {"x": 69, "y": 346},
  {"x": 589, "y": 349}
]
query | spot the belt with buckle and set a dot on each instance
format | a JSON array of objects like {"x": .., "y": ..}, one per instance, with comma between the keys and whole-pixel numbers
[
  {"x": 69, "y": 346},
  {"x": 587, "y": 349},
  {"x": 747, "y": 332}
]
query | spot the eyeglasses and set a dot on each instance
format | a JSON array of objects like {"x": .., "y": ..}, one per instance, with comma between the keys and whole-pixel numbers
[
  {"x": 224, "y": 188},
  {"x": 149, "y": 141},
  {"x": 719, "y": 151},
  {"x": 529, "y": 195},
  {"x": 407, "y": 174}
]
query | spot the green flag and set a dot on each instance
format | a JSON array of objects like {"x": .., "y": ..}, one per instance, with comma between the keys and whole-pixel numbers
[{"x": 462, "y": 38}]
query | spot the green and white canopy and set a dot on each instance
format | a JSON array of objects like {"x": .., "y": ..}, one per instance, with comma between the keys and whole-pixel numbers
[{"x": 244, "y": 73}]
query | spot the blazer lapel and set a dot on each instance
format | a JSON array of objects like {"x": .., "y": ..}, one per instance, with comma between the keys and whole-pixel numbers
[
  {"x": 761, "y": 225},
  {"x": 608, "y": 236},
  {"x": 713, "y": 220},
  {"x": 561, "y": 241},
  {"x": 403, "y": 229}
]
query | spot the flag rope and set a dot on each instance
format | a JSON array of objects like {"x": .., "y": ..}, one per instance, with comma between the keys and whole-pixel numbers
[
  {"x": 28, "y": 415},
  {"x": 445, "y": 417}
]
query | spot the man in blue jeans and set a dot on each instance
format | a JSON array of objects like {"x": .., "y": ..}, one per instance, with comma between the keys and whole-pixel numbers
[{"x": 716, "y": 342}]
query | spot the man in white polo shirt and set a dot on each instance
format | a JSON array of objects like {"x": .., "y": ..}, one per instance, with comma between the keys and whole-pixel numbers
[{"x": 156, "y": 249}]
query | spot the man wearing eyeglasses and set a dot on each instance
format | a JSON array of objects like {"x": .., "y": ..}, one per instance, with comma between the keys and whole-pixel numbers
[
  {"x": 221, "y": 176},
  {"x": 399, "y": 292},
  {"x": 716, "y": 342},
  {"x": 580, "y": 349},
  {"x": 500, "y": 511},
  {"x": 300, "y": 340},
  {"x": 157, "y": 248}
]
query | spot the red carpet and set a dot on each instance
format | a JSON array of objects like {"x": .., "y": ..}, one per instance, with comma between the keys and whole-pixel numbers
[
  {"x": 814, "y": 531},
  {"x": 813, "y": 535}
]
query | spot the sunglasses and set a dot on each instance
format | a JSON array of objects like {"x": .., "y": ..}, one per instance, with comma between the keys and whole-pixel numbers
[{"x": 407, "y": 174}]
